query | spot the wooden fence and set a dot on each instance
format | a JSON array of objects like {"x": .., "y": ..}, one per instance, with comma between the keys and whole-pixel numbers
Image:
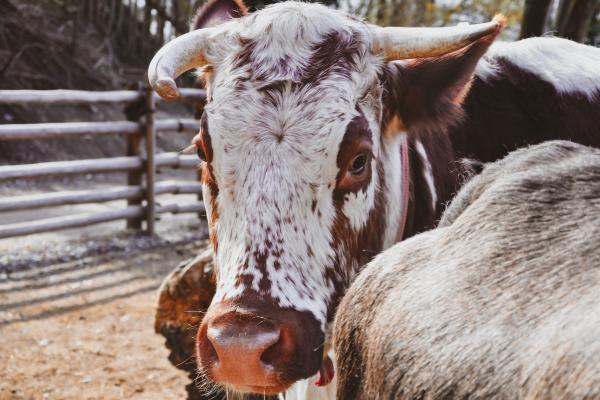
[{"x": 137, "y": 167}]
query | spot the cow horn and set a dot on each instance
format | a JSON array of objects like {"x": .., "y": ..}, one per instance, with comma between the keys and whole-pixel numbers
[
  {"x": 402, "y": 43},
  {"x": 176, "y": 57}
]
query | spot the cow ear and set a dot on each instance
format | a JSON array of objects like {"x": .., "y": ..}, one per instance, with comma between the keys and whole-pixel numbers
[
  {"x": 215, "y": 12},
  {"x": 427, "y": 93}
]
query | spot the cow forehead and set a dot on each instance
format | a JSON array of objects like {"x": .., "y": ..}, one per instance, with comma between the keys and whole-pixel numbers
[
  {"x": 286, "y": 115},
  {"x": 292, "y": 69},
  {"x": 289, "y": 133},
  {"x": 307, "y": 44},
  {"x": 292, "y": 28}
]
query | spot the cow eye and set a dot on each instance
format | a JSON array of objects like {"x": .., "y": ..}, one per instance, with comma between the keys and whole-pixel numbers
[{"x": 358, "y": 164}]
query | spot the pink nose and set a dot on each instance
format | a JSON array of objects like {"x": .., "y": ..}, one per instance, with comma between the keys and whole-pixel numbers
[
  {"x": 258, "y": 347},
  {"x": 241, "y": 350}
]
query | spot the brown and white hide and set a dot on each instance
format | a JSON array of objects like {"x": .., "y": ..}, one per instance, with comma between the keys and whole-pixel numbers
[{"x": 501, "y": 301}]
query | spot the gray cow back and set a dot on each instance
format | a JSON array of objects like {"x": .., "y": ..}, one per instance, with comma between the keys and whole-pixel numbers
[{"x": 501, "y": 301}]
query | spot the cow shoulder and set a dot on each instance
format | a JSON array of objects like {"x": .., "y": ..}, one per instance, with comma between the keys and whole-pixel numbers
[{"x": 527, "y": 169}]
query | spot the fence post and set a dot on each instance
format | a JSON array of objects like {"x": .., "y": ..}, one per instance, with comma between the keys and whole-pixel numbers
[
  {"x": 150, "y": 162},
  {"x": 134, "y": 178},
  {"x": 134, "y": 112}
]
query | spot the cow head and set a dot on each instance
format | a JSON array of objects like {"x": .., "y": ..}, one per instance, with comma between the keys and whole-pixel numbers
[{"x": 301, "y": 166}]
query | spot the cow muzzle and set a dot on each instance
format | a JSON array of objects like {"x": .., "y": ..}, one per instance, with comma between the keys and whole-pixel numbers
[{"x": 258, "y": 349}]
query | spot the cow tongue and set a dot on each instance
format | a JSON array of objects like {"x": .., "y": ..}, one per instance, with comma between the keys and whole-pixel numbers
[{"x": 325, "y": 373}]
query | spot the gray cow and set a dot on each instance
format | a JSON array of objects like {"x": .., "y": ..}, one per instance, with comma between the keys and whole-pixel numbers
[{"x": 501, "y": 301}]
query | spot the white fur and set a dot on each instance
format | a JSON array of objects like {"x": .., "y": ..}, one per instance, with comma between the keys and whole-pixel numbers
[
  {"x": 393, "y": 185},
  {"x": 357, "y": 205},
  {"x": 427, "y": 173},
  {"x": 569, "y": 66}
]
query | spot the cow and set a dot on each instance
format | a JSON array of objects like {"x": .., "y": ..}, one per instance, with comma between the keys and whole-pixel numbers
[
  {"x": 326, "y": 140},
  {"x": 501, "y": 301}
]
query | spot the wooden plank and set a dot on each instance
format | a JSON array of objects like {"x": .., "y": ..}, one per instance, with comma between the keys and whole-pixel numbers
[
  {"x": 178, "y": 187},
  {"x": 177, "y": 125},
  {"x": 75, "y": 221},
  {"x": 181, "y": 208},
  {"x": 31, "y": 201},
  {"x": 71, "y": 197},
  {"x": 69, "y": 221},
  {"x": 150, "y": 162},
  {"x": 100, "y": 165},
  {"x": 176, "y": 160},
  {"x": 26, "y": 171},
  {"x": 70, "y": 129},
  {"x": 188, "y": 162},
  {"x": 62, "y": 96},
  {"x": 192, "y": 94}
]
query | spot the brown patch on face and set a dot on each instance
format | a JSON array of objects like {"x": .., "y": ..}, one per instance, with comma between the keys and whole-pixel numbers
[
  {"x": 354, "y": 247},
  {"x": 203, "y": 142},
  {"x": 337, "y": 53},
  {"x": 355, "y": 151},
  {"x": 244, "y": 57}
]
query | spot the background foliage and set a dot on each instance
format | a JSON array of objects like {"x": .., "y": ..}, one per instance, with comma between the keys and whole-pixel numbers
[{"x": 102, "y": 44}]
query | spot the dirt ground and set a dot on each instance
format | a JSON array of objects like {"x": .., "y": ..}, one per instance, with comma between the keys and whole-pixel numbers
[{"x": 83, "y": 328}]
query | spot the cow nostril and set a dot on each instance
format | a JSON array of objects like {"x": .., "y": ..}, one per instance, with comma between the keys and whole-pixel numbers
[
  {"x": 281, "y": 350},
  {"x": 271, "y": 353},
  {"x": 207, "y": 343},
  {"x": 211, "y": 353}
]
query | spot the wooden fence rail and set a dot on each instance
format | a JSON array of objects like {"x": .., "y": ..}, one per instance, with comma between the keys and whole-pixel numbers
[
  {"x": 75, "y": 221},
  {"x": 86, "y": 97},
  {"x": 70, "y": 129},
  {"x": 94, "y": 166},
  {"x": 32, "y": 201},
  {"x": 133, "y": 163}
]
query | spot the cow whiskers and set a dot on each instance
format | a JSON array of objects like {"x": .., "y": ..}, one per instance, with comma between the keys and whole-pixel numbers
[
  {"x": 207, "y": 387},
  {"x": 185, "y": 361}
]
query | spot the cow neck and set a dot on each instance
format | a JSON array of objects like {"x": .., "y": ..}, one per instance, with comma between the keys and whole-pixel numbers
[{"x": 404, "y": 187}]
